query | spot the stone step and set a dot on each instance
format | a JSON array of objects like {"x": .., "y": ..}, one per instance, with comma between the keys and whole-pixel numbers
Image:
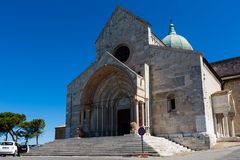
[{"x": 129, "y": 145}]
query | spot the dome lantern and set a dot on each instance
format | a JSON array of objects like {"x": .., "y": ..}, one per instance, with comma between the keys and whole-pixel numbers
[{"x": 171, "y": 29}]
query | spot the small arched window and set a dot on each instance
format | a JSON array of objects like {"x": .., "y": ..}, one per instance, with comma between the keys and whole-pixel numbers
[{"x": 171, "y": 104}]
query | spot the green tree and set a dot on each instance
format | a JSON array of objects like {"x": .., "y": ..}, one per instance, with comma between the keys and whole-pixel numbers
[
  {"x": 31, "y": 129},
  {"x": 26, "y": 131},
  {"x": 9, "y": 123},
  {"x": 15, "y": 125},
  {"x": 38, "y": 127}
]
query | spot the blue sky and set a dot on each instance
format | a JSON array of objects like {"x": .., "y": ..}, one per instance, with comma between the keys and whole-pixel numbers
[{"x": 44, "y": 44}]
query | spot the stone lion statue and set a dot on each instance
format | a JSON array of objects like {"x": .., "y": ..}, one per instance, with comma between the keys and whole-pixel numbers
[{"x": 134, "y": 128}]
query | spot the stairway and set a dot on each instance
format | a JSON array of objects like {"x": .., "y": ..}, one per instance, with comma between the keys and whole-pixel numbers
[
  {"x": 128, "y": 145},
  {"x": 165, "y": 147}
]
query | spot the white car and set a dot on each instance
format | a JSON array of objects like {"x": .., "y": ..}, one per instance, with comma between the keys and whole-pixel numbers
[{"x": 8, "y": 148}]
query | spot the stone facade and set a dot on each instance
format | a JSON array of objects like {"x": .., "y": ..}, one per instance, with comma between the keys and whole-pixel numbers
[
  {"x": 136, "y": 78},
  {"x": 177, "y": 73},
  {"x": 229, "y": 71},
  {"x": 234, "y": 85}
]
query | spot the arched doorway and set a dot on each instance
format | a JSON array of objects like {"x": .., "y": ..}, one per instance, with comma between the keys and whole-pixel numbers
[{"x": 108, "y": 99}]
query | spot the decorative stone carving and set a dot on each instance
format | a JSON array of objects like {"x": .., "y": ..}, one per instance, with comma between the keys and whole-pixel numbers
[{"x": 134, "y": 127}]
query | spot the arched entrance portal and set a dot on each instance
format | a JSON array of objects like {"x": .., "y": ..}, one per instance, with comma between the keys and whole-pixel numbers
[{"x": 108, "y": 103}]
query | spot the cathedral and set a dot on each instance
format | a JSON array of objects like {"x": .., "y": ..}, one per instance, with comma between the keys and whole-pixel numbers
[{"x": 163, "y": 85}]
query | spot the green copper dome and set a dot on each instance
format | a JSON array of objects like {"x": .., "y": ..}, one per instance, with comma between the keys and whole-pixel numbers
[{"x": 174, "y": 40}]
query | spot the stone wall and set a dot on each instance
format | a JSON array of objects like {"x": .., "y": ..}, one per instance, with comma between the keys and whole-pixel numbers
[
  {"x": 124, "y": 28},
  {"x": 74, "y": 92},
  {"x": 60, "y": 132},
  {"x": 211, "y": 84},
  {"x": 176, "y": 72},
  {"x": 234, "y": 85}
]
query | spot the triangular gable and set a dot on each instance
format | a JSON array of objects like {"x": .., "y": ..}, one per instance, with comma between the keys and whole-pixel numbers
[{"x": 121, "y": 9}]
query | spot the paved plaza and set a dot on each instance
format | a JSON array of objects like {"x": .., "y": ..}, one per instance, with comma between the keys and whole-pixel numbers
[{"x": 231, "y": 153}]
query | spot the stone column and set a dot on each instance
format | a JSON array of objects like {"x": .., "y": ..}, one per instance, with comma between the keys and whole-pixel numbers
[
  {"x": 94, "y": 120},
  {"x": 97, "y": 131},
  {"x": 115, "y": 120},
  {"x": 89, "y": 120},
  {"x": 136, "y": 112},
  {"x": 147, "y": 125},
  {"x": 140, "y": 114},
  {"x": 108, "y": 114},
  {"x": 147, "y": 91},
  {"x": 215, "y": 125},
  {"x": 82, "y": 118},
  {"x": 143, "y": 117},
  {"x": 232, "y": 127},
  {"x": 225, "y": 125},
  {"x": 112, "y": 120},
  {"x": 102, "y": 121}
]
